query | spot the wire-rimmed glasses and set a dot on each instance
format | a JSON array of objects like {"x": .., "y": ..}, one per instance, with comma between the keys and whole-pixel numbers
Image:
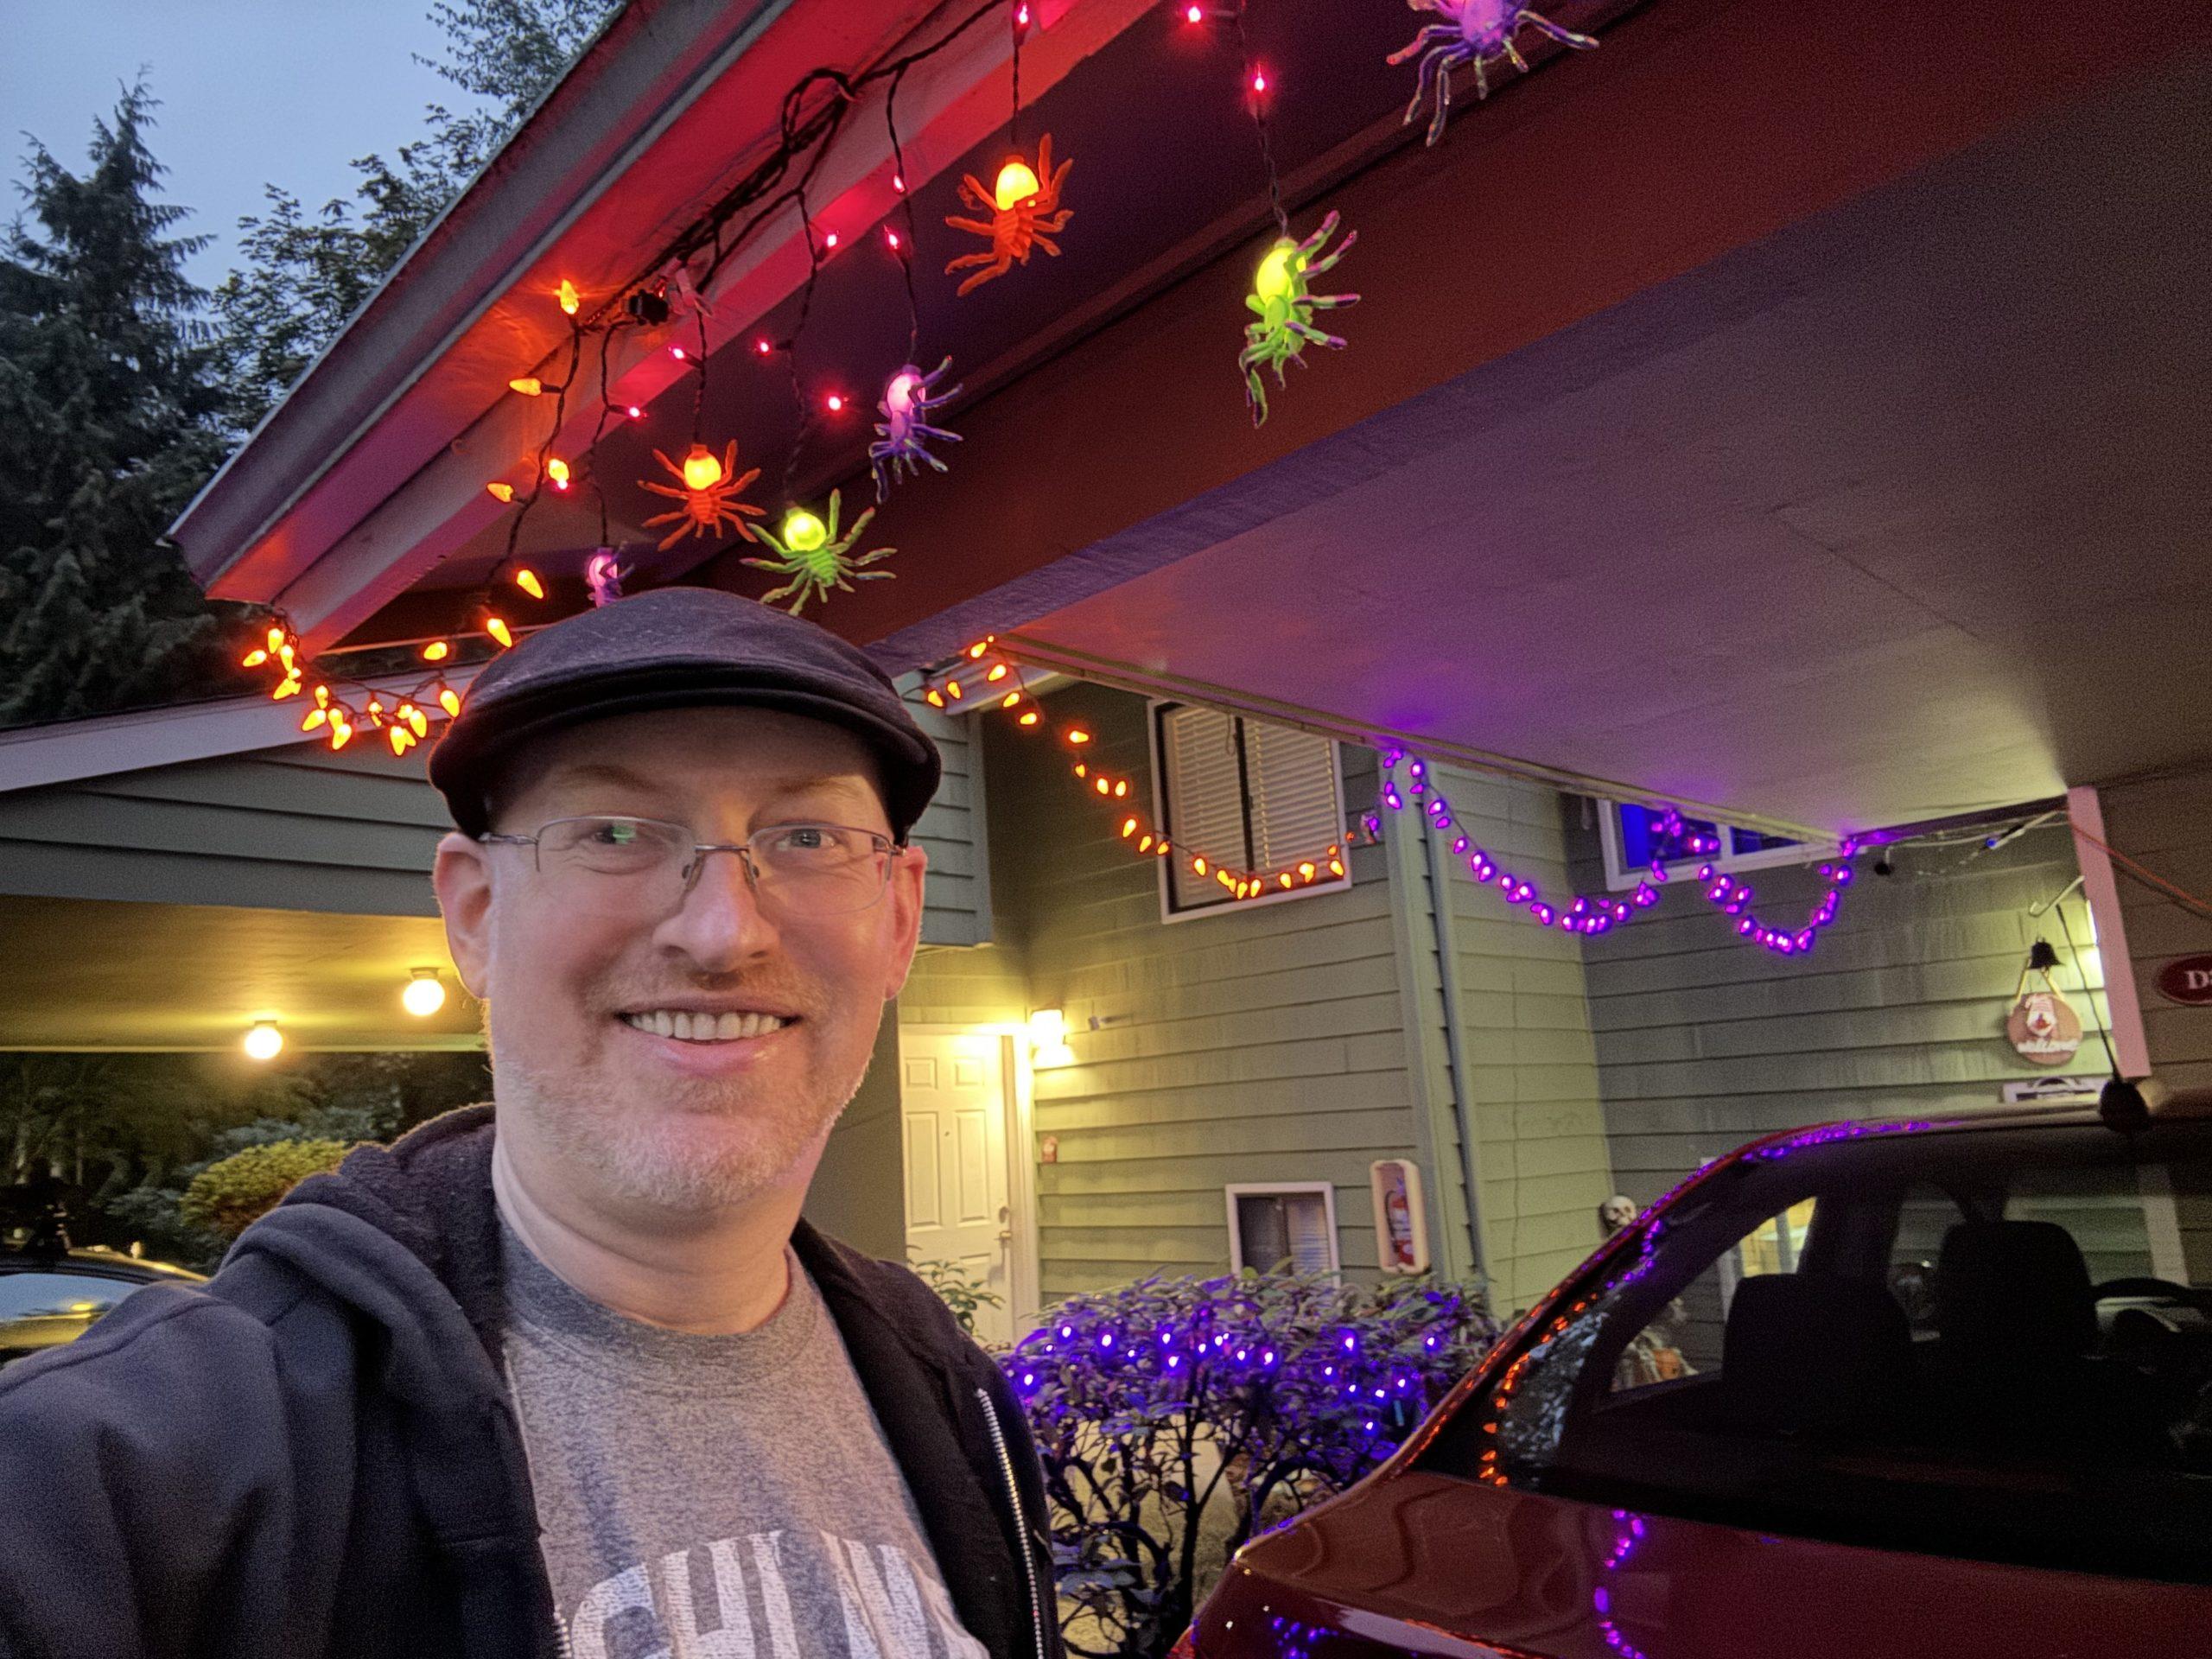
[{"x": 804, "y": 870}]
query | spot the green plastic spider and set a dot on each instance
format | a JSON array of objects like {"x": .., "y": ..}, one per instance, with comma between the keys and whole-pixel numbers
[
  {"x": 1285, "y": 310},
  {"x": 813, "y": 554}
]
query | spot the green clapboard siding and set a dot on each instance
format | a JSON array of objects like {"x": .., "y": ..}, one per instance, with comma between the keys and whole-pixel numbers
[
  {"x": 1265, "y": 1044},
  {"x": 1704, "y": 1043},
  {"x": 350, "y": 833},
  {"x": 2165, "y": 825},
  {"x": 1531, "y": 1086}
]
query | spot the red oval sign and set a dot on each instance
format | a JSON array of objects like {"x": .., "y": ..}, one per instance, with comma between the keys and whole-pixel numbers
[{"x": 2187, "y": 980}]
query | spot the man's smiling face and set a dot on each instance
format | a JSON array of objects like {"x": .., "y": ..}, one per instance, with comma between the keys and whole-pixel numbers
[{"x": 677, "y": 1053}]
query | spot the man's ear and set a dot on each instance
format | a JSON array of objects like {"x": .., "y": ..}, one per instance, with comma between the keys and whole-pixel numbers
[
  {"x": 463, "y": 877},
  {"x": 906, "y": 895}
]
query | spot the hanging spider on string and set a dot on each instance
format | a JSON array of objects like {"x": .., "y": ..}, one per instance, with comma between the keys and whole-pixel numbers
[
  {"x": 1477, "y": 34},
  {"x": 817, "y": 558},
  {"x": 1285, "y": 306},
  {"x": 1024, "y": 205},
  {"x": 711, "y": 494},
  {"x": 904, "y": 433}
]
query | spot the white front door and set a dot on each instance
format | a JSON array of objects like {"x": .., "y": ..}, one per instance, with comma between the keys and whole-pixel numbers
[{"x": 954, "y": 1097}]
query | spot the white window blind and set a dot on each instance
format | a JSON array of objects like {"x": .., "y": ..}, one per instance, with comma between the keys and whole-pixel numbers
[
  {"x": 1295, "y": 813},
  {"x": 1291, "y": 1228},
  {"x": 1205, "y": 797},
  {"x": 1243, "y": 795}
]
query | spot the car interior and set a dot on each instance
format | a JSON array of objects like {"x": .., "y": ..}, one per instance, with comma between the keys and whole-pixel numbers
[{"x": 1989, "y": 1344}]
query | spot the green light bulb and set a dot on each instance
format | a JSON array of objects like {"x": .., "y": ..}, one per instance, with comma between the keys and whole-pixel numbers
[
  {"x": 1277, "y": 277},
  {"x": 802, "y": 531}
]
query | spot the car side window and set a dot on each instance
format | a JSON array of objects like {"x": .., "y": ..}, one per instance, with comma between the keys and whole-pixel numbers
[
  {"x": 1999, "y": 1363},
  {"x": 49, "y": 1295}
]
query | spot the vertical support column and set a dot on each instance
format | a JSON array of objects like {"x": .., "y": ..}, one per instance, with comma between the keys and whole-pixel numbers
[{"x": 2085, "y": 813}]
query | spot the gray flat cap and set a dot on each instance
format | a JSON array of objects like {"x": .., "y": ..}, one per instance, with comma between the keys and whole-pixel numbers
[{"x": 679, "y": 648}]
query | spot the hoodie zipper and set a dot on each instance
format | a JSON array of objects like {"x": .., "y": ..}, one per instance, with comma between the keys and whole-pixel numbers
[{"x": 1020, "y": 1521}]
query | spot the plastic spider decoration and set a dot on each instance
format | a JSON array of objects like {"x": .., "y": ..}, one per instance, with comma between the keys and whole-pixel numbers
[
  {"x": 903, "y": 434},
  {"x": 1285, "y": 306},
  {"x": 814, "y": 555},
  {"x": 709, "y": 495},
  {"x": 1476, "y": 32},
  {"x": 1025, "y": 213},
  {"x": 603, "y": 576}
]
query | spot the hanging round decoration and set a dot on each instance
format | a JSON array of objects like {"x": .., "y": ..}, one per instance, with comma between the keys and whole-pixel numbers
[{"x": 2043, "y": 1028}]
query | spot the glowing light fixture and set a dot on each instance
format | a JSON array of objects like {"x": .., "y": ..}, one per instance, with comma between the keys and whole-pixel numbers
[
  {"x": 262, "y": 1040},
  {"x": 1048, "y": 1038},
  {"x": 425, "y": 992}
]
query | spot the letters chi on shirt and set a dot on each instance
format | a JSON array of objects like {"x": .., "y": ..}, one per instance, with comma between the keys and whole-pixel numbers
[{"x": 733, "y": 1598}]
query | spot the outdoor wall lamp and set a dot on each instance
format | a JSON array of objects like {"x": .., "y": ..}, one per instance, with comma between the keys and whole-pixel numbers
[
  {"x": 425, "y": 992},
  {"x": 262, "y": 1040},
  {"x": 1048, "y": 1038}
]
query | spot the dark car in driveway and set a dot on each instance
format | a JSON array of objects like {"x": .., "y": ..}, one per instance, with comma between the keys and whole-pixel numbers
[
  {"x": 49, "y": 1296},
  {"x": 1892, "y": 1389}
]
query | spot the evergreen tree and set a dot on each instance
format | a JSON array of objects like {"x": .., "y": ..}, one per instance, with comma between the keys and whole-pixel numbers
[
  {"x": 305, "y": 273},
  {"x": 109, "y": 422}
]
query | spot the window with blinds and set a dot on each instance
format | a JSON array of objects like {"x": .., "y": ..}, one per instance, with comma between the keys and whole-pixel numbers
[{"x": 1242, "y": 794}]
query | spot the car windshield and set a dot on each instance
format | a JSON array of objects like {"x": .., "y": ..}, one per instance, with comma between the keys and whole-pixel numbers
[
  {"x": 38, "y": 1309},
  {"x": 1993, "y": 1344}
]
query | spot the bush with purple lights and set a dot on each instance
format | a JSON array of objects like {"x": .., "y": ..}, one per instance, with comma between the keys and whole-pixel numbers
[{"x": 1177, "y": 1418}]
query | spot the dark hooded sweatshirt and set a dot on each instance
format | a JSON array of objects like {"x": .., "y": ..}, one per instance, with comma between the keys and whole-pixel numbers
[{"x": 315, "y": 1455}]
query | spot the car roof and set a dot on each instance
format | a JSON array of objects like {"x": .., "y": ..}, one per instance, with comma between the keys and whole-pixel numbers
[{"x": 94, "y": 1262}]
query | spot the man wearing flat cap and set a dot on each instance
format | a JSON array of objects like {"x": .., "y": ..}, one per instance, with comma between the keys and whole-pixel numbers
[{"x": 566, "y": 1373}]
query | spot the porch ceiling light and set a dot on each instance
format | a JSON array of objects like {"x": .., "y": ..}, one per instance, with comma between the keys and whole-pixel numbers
[
  {"x": 425, "y": 994},
  {"x": 262, "y": 1040}
]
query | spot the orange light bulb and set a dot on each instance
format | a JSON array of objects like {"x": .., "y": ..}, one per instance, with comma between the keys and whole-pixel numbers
[
  {"x": 1078, "y": 735},
  {"x": 529, "y": 384},
  {"x": 701, "y": 469},
  {"x": 449, "y": 700},
  {"x": 558, "y": 470},
  {"x": 501, "y": 492},
  {"x": 499, "y": 631},
  {"x": 436, "y": 651},
  {"x": 527, "y": 581},
  {"x": 568, "y": 297},
  {"x": 997, "y": 674},
  {"x": 1017, "y": 183},
  {"x": 254, "y": 658}
]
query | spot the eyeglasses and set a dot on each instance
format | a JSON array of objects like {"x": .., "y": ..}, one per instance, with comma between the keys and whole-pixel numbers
[{"x": 805, "y": 870}]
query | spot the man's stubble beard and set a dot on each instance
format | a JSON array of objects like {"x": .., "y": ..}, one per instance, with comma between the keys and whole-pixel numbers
[{"x": 645, "y": 1157}]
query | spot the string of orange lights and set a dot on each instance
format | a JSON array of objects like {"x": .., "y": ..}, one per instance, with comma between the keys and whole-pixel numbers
[{"x": 986, "y": 669}]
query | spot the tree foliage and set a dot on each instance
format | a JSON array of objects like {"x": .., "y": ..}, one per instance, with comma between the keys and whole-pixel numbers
[
  {"x": 109, "y": 420},
  {"x": 307, "y": 271},
  {"x": 1178, "y": 1418},
  {"x": 228, "y": 1196}
]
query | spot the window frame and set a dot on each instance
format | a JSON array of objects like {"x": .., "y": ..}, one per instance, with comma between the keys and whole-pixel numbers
[
  {"x": 1156, "y": 710},
  {"x": 1327, "y": 1192},
  {"x": 1621, "y": 877}
]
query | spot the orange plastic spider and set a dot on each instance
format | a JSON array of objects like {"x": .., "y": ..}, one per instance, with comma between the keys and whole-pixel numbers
[
  {"x": 708, "y": 495},
  {"x": 1025, "y": 213}
]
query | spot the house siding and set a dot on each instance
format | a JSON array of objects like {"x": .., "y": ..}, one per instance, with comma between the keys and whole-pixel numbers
[
  {"x": 349, "y": 833},
  {"x": 1704, "y": 1043},
  {"x": 1532, "y": 1082},
  {"x": 1265, "y": 1045},
  {"x": 2165, "y": 825}
]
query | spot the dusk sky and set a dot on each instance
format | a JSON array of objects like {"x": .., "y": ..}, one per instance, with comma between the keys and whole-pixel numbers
[{"x": 253, "y": 91}]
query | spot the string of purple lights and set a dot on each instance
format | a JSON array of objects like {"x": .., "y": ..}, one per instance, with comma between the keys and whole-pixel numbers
[{"x": 1602, "y": 913}]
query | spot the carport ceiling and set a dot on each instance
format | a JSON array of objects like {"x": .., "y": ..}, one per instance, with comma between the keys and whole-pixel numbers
[
  {"x": 1898, "y": 514},
  {"x": 90, "y": 975}
]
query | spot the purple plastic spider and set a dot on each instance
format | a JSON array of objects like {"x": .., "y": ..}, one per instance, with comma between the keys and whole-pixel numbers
[
  {"x": 904, "y": 432},
  {"x": 1477, "y": 32}
]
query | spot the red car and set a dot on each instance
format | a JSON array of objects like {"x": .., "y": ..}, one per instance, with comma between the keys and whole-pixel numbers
[{"x": 1870, "y": 1391}]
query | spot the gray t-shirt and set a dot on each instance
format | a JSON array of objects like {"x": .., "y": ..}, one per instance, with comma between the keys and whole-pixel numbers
[{"x": 716, "y": 1497}]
